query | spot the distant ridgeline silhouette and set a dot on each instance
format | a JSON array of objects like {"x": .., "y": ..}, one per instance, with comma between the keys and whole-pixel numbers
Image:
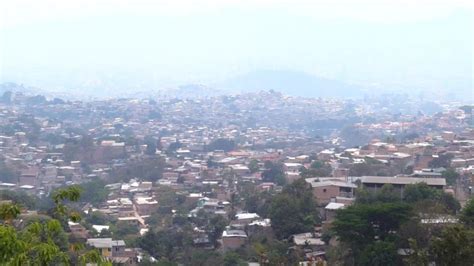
[{"x": 292, "y": 83}]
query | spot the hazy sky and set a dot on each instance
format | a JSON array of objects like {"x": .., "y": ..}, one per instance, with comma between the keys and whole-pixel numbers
[{"x": 73, "y": 43}]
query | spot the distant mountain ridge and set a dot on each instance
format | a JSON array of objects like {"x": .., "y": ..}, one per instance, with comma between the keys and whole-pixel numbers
[
  {"x": 288, "y": 82},
  {"x": 194, "y": 91},
  {"x": 13, "y": 87},
  {"x": 292, "y": 83}
]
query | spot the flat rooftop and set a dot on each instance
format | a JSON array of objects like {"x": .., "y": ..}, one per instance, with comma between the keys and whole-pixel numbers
[{"x": 402, "y": 180}]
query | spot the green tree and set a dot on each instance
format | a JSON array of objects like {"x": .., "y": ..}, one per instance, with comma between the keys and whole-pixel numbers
[
  {"x": 38, "y": 99},
  {"x": 163, "y": 244},
  {"x": 360, "y": 225},
  {"x": 150, "y": 147},
  {"x": 46, "y": 231},
  {"x": 293, "y": 210},
  {"x": 253, "y": 166},
  {"x": 379, "y": 253},
  {"x": 41, "y": 241},
  {"x": 455, "y": 246},
  {"x": 443, "y": 160},
  {"x": 317, "y": 169},
  {"x": 94, "y": 192},
  {"x": 423, "y": 195},
  {"x": 154, "y": 114},
  {"x": 221, "y": 144},
  {"x": 7, "y": 174},
  {"x": 96, "y": 217},
  {"x": 274, "y": 173},
  {"x": 19, "y": 197},
  {"x": 258, "y": 202},
  {"x": 419, "y": 195},
  {"x": 150, "y": 169},
  {"x": 215, "y": 227},
  {"x": 467, "y": 214},
  {"x": 81, "y": 149},
  {"x": 233, "y": 259},
  {"x": 418, "y": 256},
  {"x": 418, "y": 192},
  {"x": 11, "y": 247},
  {"x": 354, "y": 136},
  {"x": 174, "y": 146},
  {"x": 451, "y": 176},
  {"x": 386, "y": 194},
  {"x": 204, "y": 258},
  {"x": 121, "y": 230},
  {"x": 6, "y": 97},
  {"x": 450, "y": 202},
  {"x": 93, "y": 257},
  {"x": 8, "y": 212},
  {"x": 61, "y": 197}
]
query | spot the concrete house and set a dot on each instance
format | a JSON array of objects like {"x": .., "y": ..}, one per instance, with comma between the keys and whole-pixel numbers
[
  {"x": 233, "y": 239},
  {"x": 374, "y": 183},
  {"x": 328, "y": 190}
]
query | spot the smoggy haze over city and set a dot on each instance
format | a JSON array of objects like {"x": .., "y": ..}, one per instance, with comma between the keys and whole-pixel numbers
[
  {"x": 236, "y": 132},
  {"x": 406, "y": 46}
]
